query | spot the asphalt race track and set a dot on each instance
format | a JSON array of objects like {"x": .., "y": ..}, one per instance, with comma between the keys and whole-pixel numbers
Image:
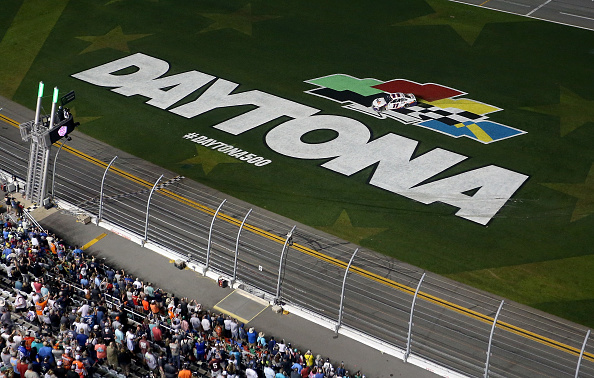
[
  {"x": 578, "y": 13},
  {"x": 451, "y": 323}
]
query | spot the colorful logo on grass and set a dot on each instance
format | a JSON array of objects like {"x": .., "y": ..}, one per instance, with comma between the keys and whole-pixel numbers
[{"x": 439, "y": 108}]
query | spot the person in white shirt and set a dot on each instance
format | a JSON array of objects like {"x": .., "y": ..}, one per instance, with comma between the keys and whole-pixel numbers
[
  {"x": 151, "y": 361},
  {"x": 82, "y": 327},
  {"x": 206, "y": 324},
  {"x": 20, "y": 303},
  {"x": 84, "y": 310},
  {"x": 250, "y": 373},
  {"x": 130, "y": 340},
  {"x": 282, "y": 347},
  {"x": 269, "y": 371}
]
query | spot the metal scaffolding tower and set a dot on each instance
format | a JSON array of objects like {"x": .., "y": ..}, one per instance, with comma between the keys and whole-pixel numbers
[
  {"x": 39, "y": 154},
  {"x": 38, "y": 132}
]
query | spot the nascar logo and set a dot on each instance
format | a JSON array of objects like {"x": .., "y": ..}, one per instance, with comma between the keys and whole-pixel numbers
[{"x": 439, "y": 108}]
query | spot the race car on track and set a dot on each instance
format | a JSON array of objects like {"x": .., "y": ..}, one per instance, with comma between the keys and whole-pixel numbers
[{"x": 393, "y": 101}]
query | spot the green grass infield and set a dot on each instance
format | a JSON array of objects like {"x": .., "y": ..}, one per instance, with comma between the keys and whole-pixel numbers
[{"x": 527, "y": 83}]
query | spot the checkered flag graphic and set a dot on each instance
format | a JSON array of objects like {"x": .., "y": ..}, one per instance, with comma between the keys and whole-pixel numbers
[{"x": 425, "y": 112}]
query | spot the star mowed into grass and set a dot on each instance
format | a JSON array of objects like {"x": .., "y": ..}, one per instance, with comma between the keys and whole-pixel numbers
[
  {"x": 209, "y": 159},
  {"x": 113, "y": 39},
  {"x": 241, "y": 20},
  {"x": 573, "y": 110},
  {"x": 344, "y": 229},
  {"x": 584, "y": 192},
  {"x": 466, "y": 21}
]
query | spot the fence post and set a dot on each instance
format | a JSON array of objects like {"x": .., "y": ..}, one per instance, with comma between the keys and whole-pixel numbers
[
  {"x": 54, "y": 171},
  {"x": 101, "y": 192},
  {"x": 288, "y": 241},
  {"x": 210, "y": 235},
  {"x": 237, "y": 247},
  {"x": 346, "y": 272},
  {"x": 148, "y": 204},
  {"x": 491, "y": 339},
  {"x": 410, "y": 319},
  {"x": 577, "y": 369}
]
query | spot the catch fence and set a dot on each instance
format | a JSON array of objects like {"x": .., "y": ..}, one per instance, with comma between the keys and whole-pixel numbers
[{"x": 419, "y": 316}]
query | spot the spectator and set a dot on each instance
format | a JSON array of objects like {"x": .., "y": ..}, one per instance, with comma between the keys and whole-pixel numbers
[
  {"x": 206, "y": 324},
  {"x": 169, "y": 370},
  {"x": 151, "y": 360},
  {"x": 124, "y": 359},
  {"x": 185, "y": 372},
  {"x": 175, "y": 350},
  {"x": 22, "y": 367},
  {"x": 252, "y": 337},
  {"x": 112, "y": 355},
  {"x": 101, "y": 351},
  {"x": 309, "y": 359},
  {"x": 157, "y": 334},
  {"x": 74, "y": 340},
  {"x": 262, "y": 340},
  {"x": 71, "y": 373},
  {"x": 59, "y": 370},
  {"x": 269, "y": 371}
]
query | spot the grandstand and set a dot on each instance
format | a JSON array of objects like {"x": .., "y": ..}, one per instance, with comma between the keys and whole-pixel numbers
[{"x": 55, "y": 295}]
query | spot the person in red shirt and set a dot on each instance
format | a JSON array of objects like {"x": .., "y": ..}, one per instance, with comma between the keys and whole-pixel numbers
[
  {"x": 28, "y": 341},
  {"x": 157, "y": 334},
  {"x": 135, "y": 298},
  {"x": 22, "y": 367},
  {"x": 215, "y": 365},
  {"x": 305, "y": 371},
  {"x": 37, "y": 285}
]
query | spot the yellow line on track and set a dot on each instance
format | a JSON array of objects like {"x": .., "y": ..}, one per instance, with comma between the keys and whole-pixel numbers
[
  {"x": 362, "y": 272},
  {"x": 93, "y": 241}
]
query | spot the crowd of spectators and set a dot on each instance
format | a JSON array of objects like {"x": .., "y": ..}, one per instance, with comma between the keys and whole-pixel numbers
[{"x": 71, "y": 315}]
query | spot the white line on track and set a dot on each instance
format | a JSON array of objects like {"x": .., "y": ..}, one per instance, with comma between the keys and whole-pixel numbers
[
  {"x": 538, "y": 7},
  {"x": 575, "y": 15},
  {"x": 513, "y": 3}
]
